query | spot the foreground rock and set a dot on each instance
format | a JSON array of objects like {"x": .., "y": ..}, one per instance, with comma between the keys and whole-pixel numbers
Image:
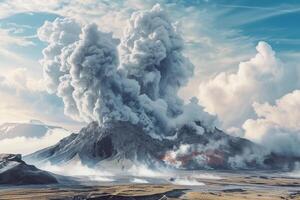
[
  {"x": 121, "y": 143},
  {"x": 14, "y": 171}
]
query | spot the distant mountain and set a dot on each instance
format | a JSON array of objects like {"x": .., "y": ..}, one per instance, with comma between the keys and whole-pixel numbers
[
  {"x": 35, "y": 134},
  {"x": 31, "y": 129},
  {"x": 121, "y": 144},
  {"x": 14, "y": 171},
  {"x": 35, "y": 121}
]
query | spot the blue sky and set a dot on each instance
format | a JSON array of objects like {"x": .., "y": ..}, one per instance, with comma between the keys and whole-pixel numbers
[
  {"x": 274, "y": 21},
  {"x": 218, "y": 34},
  {"x": 28, "y": 23}
]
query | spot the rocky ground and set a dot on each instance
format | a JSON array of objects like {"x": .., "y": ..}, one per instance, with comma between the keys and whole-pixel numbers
[{"x": 235, "y": 187}]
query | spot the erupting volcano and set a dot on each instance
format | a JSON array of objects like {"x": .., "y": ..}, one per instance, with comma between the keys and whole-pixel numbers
[{"x": 127, "y": 91}]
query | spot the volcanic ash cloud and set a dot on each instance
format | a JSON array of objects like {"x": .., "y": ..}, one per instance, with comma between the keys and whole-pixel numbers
[{"x": 137, "y": 79}]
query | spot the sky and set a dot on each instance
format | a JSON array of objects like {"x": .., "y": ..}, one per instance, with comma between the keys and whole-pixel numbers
[{"x": 246, "y": 55}]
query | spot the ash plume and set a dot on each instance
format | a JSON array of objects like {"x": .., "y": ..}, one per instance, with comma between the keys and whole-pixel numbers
[{"x": 137, "y": 80}]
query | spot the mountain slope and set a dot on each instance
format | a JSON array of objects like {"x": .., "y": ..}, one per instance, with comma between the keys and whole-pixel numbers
[
  {"x": 121, "y": 143},
  {"x": 14, "y": 171}
]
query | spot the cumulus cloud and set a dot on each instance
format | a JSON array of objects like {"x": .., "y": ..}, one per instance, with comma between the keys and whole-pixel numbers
[
  {"x": 18, "y": 145},
  {"x": 18, "y": 79},
  {"x": 231, "y": 95},
  {"x": 81, "y": 66},
  {"x": 277, "y": 126},
  {"x": 237, "y": 98}
]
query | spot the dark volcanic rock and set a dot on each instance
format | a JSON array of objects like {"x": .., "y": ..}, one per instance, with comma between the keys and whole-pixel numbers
[
  {"x": 93, "y": 144},
  {"x": 14, "y": 171},
  {"x": 117, "y": 141}
]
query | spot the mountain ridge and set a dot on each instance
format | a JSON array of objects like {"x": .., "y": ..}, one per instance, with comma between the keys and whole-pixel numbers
[
  {"x": 25, "y": 129},
  {"x": 14, "y": 171},
  {"x": 121, "y": 142}
]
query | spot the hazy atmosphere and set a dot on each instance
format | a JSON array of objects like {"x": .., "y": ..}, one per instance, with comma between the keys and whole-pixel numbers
[
  {"x": 244, "y": 56},
  {"x": 210, "y": 84}
]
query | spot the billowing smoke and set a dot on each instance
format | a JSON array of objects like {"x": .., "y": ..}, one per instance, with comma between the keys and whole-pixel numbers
[
  {"x": 137, "y": 82},
  {"x": 151, "y": 51}
]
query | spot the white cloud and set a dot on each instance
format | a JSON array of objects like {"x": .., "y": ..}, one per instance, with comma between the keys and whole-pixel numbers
[
  {"x": 250, "y": 14},
  {"x": 9, "y": 8},
  {"x": 9, "y": 57},
  {"x": 262, "y": 78},
  {"x": 18, "y": 79},
  {"x": 23, "y": 98},
  {"x": 8, "y": 39},
  {"x": 277, "y": 126}
]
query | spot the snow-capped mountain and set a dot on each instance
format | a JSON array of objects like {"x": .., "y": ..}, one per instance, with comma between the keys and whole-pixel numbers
[
  {"x": 14, "y": 171},
  {"x": 33, "y": 128},
  {"x": 38, "y": 135}
]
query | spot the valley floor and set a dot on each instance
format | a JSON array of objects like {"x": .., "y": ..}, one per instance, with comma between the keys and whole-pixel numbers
[{"x": 227, "y": 187}]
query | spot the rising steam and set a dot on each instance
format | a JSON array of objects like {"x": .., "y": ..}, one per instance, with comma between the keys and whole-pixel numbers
[{"x": 137, "y": 80}]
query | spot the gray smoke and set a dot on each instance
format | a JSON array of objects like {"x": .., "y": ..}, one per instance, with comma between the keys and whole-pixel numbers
[{"x": 81, "y": 65}]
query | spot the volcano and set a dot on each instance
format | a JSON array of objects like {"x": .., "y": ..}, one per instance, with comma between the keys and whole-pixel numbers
[
  {"x": 122, "y": 144},
  {"x": 127, "y": 89}
]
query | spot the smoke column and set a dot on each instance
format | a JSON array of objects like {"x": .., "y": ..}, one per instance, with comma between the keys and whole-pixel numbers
[{"x": 137, "y": 79}]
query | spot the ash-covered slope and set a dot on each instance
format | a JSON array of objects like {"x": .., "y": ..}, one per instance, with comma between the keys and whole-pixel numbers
[
  {"x": 119, "y": 141},
  {"x": 14, "y": 171},
  {"x": 94, "y": 143}
]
